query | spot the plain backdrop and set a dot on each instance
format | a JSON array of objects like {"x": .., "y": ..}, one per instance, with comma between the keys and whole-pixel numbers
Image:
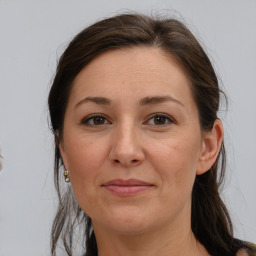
[{"x": 34, "y": 33}]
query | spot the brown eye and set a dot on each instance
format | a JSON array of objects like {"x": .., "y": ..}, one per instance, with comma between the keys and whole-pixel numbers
[
  {"x": 160, "y": 119},
  {"x": 98, "y": 120},
  {"x": 95, "y": 120}
]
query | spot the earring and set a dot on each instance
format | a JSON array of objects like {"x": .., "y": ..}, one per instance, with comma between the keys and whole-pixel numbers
[{"x": 66, "y": 176}]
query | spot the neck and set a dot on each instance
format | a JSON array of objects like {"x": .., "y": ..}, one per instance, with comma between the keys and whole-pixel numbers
[{"x": 166, "y": 241}]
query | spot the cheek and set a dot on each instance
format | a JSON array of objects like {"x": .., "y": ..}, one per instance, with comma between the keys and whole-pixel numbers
[
  {"x": 85, "y": 158},
  {"x": 176, "y": 162}
]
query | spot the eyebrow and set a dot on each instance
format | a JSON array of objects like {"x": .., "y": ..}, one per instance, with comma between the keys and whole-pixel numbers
[
  {"x": 158, "y": 99},
  {"x": 143, "y": 102},
  {"x": 97, "y": 100}
]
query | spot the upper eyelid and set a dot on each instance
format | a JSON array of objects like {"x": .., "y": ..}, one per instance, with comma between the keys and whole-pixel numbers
[
  {"x": 89, "y": 117},
  {"x": 168, "y": 117},
  {"x": 159, "y": 114},
  {"x": 162, "y": 114}
]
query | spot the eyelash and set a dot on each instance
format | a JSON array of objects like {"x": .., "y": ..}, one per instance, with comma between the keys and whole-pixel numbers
[
  {"x": 93, "y": 116},
  {"x": 162, "y": 115}
]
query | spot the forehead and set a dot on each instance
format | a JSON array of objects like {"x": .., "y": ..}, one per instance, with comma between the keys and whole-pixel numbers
[
  {"x": 132, "y": 72},
  {"x": 138, "y": 59}
]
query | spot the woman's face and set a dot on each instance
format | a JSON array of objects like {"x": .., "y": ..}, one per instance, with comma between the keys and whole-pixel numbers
[{"x": 132, "y": 141}]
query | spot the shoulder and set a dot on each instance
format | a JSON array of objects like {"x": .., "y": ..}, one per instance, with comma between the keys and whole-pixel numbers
[
  {"x": 242, "y": 252},
  {"x": 244, "y": 248},
  {"x": 250, "y": 250}
]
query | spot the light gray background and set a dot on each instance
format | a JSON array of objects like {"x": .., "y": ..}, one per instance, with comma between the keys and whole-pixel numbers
[{"x": 32, "y": 36}]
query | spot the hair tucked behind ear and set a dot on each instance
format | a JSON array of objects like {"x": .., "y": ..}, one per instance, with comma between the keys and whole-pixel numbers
[{"x": 211, "y": 222}]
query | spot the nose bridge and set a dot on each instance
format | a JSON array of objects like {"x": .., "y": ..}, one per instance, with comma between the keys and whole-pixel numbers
[
  {"x": 126, "y": 148},
  {"x": 125, "y": 136}
]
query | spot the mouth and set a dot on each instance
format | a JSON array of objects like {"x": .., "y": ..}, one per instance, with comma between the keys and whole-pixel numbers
[{"x": 129, "y": 187}]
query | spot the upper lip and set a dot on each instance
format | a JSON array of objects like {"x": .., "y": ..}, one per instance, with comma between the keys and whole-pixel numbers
[{"x": 129, "y": 182}]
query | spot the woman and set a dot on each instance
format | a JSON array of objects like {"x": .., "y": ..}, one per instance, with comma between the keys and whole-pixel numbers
[{"x": 133, "y": 109}]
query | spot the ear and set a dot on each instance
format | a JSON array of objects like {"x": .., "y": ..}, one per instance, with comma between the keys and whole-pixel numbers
[
  {"x": 59, "y": 144},
  {"x": 212, "y": 141}
]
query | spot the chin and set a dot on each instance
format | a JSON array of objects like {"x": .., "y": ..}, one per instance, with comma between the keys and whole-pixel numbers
[{"x": 127, "y": 222}]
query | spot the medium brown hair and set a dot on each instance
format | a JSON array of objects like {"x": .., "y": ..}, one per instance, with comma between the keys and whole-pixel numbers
[{"x": 211, "y": 223}]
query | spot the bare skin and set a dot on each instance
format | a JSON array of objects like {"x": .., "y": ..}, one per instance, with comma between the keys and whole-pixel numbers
[
  {"x": 131, "y": 118},
  {"x": 151, "y": 244}
]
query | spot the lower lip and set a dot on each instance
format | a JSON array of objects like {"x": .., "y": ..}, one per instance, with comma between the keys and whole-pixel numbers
[{"x": 127, "y": 190}]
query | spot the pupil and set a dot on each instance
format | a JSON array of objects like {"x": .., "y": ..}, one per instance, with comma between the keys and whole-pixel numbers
[
  {"x": 159, "y": 119},
  {"x": 98, "y": 120}
]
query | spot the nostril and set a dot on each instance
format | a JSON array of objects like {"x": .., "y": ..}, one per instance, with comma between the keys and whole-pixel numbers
[{"x": 132, "y": 161}]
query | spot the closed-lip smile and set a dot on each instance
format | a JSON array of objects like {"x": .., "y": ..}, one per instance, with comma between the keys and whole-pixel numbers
[{"x": 128, "y": 187}]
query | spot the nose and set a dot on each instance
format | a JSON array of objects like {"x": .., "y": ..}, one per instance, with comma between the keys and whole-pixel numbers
[{"x": 126, "y": 148}]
